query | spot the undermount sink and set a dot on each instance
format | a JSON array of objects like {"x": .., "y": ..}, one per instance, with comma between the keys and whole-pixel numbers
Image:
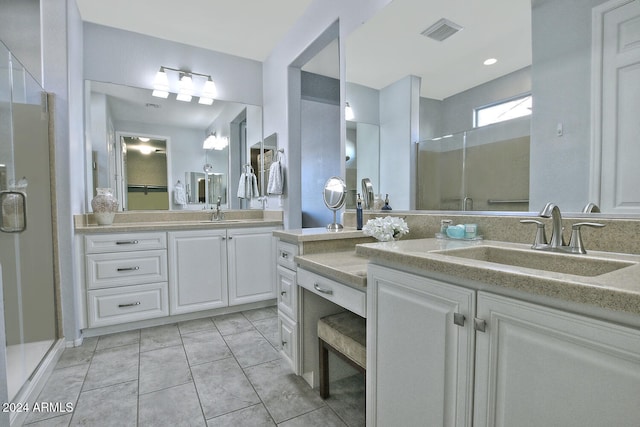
[{"x": 560, "y": 263}]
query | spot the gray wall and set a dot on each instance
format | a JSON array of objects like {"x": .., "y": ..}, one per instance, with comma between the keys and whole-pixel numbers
[
  {"x": 20, "y": 32},
  {"x": 561, "y": 82}
]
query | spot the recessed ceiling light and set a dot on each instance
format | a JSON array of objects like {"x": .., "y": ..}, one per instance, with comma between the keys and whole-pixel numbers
[{"x": 490, "y": 61}]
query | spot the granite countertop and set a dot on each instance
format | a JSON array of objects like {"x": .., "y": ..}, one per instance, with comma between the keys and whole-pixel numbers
[
  {"x": 345, "y": 267},
  {"x": 618, "y": 290},
  {"x": 317, "y": 234},
  {"x": 126, "y": 227}
]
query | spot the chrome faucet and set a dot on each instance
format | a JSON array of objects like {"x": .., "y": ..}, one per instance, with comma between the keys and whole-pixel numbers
[
  {"x": 218, "y": 215},
  {"x": 557, "y": 244},
  {"x": 551, "y": 210}
]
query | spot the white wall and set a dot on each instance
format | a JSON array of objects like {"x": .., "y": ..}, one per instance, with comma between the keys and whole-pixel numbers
[
  {"x": 561, "y": 82},
  {"x": 237, "y": 79},
  {"x": 318, "y": 17},
  {"x": 61, "y": 32}
]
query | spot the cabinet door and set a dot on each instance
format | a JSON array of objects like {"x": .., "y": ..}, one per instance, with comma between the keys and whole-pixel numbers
[
  {"x": 419, "y": 362},
  {"x": 251, "y": 266},
  {"x": 197, "y": 270},
  {"x": 536, "y": 366}
]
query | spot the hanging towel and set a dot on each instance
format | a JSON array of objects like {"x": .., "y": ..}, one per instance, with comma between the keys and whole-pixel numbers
[
  {"x": 248, "y": 186},
  {"x": 179, "y": 194},
  {"x": 276, "y": 182}
]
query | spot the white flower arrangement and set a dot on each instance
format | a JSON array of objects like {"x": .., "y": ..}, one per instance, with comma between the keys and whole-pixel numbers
[{"x": 386, "y": 229}]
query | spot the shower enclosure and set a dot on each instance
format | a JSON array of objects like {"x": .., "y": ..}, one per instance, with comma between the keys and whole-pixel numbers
[
  {"x": 26, "y": 244},
  {"x": 484, "y": 169}
]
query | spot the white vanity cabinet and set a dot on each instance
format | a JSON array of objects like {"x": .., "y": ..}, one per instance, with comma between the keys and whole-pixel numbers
[
  {"x": 541, "y": 366},
  {"x": 530, "y": 365},
  {"x": 198, "y": 269},
  {"x": 419, "y": 350},
  {"x": 250, "y": 260},
  {"x": 287, "y": 294},
  {"x": 219, "y": 268},
  {"x": 126, "y": 277}
]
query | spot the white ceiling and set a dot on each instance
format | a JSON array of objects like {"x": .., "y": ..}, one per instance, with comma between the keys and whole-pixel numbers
[
  {"x": 246, "y": 28},
  {"x": 385, "y": 49}
]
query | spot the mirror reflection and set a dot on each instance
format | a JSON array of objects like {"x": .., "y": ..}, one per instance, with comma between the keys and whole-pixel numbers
[
  {"x": 426, "y": 89},
  {"x": 171, "y": 176}
]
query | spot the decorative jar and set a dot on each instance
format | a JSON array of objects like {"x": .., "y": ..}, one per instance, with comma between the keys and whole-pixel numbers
[{"x": 104, "y": 206}]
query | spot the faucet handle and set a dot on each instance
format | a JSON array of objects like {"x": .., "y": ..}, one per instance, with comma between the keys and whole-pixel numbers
[
  {"x": 575, "y": 244},
  {"x": 541, "y": 236}
]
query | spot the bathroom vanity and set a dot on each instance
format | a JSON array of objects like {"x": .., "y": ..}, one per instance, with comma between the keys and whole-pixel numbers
[
  {"x": 318, "y": 274},
  {"x": 493, "y": 333},
  {"x": 183, "y": 267}
]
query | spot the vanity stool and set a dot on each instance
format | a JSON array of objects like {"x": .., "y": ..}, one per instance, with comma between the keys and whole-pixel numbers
[{"x": 345, "y": 334}]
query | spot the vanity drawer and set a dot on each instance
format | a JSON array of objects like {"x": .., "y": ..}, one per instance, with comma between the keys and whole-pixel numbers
[
  {"x": 123, "y": 269},
  {"x": 285, "y": 254},
  {"x": 288, "y": 332},
  {"x": 287, "y": 292},
  {"x": 352, "y": 299},
  {"x": 120, "y": 305},
  {"x": 124, "y": 242}
]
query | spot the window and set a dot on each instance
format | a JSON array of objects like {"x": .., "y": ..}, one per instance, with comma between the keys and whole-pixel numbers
[{"x": 503, "y": 110}]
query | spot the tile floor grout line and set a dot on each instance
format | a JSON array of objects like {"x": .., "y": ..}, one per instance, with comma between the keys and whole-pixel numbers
[{"x": 193, "y": 379}]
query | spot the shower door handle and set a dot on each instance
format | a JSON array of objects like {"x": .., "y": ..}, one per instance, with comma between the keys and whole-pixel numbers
[{"x": 13, "y": 218}]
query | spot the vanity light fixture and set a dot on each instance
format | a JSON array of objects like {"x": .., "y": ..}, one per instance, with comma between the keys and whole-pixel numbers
[
  {"x": 348, "y": 112},
  {"x": 161, "y": 84},
  {"x": 213, "y": 142},
  {"x": 144, "y": 139},
  {"x": 209, "y": 91},
  {"x": 187, "y": 88}
]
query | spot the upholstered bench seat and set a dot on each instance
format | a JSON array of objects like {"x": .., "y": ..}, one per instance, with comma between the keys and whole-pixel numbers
[{"x": 345, "y": 334}]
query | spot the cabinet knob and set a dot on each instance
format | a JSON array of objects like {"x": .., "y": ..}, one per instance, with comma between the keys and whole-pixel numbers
[
  {"x": 284, "y": 343},
  {"x": 283, "y": 293},
  {"x": 284, "y": 255},
  {"x": 458, "y": 319},
  {"x": 479, "y": 325}
]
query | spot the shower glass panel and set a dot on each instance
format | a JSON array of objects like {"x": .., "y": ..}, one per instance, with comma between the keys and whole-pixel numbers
[
  {"x": 26, "y": 256},
  {"x": 440, "y": 173},
  {"x": 484, "y": 169}
]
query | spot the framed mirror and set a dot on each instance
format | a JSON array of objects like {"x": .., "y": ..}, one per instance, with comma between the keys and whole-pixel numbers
[{"x": 114, "y": 112}]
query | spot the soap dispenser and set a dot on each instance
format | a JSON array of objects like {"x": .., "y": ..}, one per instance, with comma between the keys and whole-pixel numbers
[
  {"x": 386, "y": 206},
  {"x": 359, "y": 212}
]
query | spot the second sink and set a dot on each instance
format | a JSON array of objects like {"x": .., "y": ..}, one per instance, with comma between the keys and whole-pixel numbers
[{"x": 561, "y": 263}]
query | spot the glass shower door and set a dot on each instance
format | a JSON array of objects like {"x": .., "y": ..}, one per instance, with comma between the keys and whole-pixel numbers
[{"x": 26, "y": 256}]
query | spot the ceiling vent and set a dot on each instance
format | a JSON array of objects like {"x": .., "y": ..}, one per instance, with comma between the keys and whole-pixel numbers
[{"x": 441, "y": 30}]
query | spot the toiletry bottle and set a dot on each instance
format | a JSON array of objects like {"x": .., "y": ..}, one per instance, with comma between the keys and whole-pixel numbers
[
  {"x": 386, "y": 206},
  {"x": 359, "y": 212}
]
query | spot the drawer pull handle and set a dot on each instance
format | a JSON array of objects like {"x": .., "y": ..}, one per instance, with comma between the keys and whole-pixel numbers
[
  {"x": 284, "y": 255},
  {"x": 129, "y": 268},
  {"x": 127, "y": 242},
  {"x": 321, "y": 290},
  {"x": 284, "y": 343},
  {"x": 131, "y": 304},
  {"x": 283, "y": 293}
]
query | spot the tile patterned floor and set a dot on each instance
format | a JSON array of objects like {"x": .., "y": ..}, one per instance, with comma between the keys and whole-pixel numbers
[{"x": 220, "y": 371}]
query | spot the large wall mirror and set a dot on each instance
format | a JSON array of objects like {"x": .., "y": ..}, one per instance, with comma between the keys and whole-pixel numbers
[
  {"x": 143, "y": 147},
  {"x": 557, "y": 51}
]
